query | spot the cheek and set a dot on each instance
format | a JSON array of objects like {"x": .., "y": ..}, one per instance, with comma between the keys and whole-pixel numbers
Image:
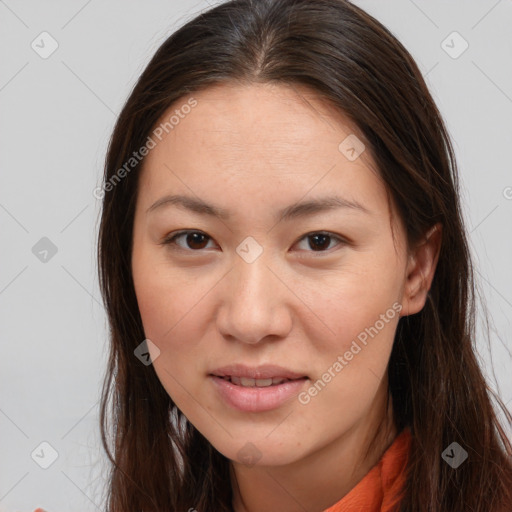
[
  {"x": 173, "y": 319},
  {"x": 355, "y": 299},
  {"x": 164, "y": 304},
  {"x": 172, "y": 308},
  {"x": 167, "y": 297},
  {"x": 361, "y": 308},
  {"x": 353, "y": 364},
  {"x": 360, "y": 351},
  {"x": 171, "y": 322}
]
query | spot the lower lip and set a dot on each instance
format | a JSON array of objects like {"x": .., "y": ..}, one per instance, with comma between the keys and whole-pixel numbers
[{"x": 257, "y": 399}]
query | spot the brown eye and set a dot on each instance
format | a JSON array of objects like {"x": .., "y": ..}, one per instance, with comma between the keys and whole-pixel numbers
[
  {"x": 320, "y": 241},
  {"x": 193, "y": 240}
]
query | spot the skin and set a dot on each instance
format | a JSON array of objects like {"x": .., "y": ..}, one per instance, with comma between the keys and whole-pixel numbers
[{"x": 254, "y": 150}]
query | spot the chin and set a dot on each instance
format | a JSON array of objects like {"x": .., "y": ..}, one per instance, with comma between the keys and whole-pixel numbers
[{"x": 264, "y": 452}]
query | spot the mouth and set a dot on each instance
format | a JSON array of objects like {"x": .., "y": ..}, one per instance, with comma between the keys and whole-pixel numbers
[
  {"x": 256, "y": 389},
  {"x": 248, "y": 382},
  {"x": 257, "y": 376}
]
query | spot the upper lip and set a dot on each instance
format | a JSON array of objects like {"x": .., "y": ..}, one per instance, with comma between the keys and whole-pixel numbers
[{"x": 269, "y": 371}]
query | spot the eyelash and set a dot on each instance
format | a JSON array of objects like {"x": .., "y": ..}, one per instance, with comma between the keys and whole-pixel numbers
[{"x": 170, "y": 240}]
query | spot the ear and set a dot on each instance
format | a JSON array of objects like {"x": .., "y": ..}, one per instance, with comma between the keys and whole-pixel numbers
[{"x": 420, "y": 271}]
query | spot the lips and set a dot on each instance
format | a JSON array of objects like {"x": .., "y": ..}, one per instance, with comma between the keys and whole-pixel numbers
[
  {"x": 260, "y": 383},
  {"x": 256, "y": 389},
  {"x": 261, "y": 376}
]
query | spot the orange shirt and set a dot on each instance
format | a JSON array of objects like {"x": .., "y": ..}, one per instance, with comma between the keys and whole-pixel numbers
[{"x": 378, "y": 490}]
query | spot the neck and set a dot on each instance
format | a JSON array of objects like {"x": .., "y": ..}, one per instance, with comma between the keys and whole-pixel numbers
[{"x": 321, "y": 479}]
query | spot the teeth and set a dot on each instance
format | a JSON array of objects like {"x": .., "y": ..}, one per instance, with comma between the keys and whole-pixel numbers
[
  {"x": 251, "y": 383},
  {"x": 263, "y": 382}
]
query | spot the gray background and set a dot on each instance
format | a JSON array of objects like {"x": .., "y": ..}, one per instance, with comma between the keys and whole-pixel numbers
[{"x": 57, "y": 115}]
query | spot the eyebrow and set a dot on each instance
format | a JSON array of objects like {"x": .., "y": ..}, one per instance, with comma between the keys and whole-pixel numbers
[{"x": 301, "y": 209}]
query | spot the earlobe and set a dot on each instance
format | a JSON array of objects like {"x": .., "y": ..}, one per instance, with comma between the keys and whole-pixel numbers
[{"x": 420, "y": 271}]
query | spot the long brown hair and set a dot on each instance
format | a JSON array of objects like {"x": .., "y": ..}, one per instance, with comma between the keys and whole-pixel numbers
[{"x": 160, "y": 462}]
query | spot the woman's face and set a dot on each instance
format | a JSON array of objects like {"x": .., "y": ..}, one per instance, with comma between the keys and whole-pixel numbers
[{"x": 290, "y": 268}]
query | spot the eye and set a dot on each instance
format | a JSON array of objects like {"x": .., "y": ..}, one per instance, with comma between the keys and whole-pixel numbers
[
  {"x": 321, "y": 241},
  {"x": 194, "y": 240}
]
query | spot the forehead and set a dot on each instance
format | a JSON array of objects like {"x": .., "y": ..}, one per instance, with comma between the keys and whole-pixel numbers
[
  {"x": 268, "y": 126},
  {"x": 258, "y": 144},
  {"x": 261, "y": 116}
]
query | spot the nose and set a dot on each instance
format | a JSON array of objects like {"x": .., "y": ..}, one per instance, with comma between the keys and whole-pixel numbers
[{"x": 255, "y": 303}]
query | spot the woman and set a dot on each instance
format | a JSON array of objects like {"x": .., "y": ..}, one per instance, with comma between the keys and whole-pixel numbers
[{"x": 287, "y": 278}]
